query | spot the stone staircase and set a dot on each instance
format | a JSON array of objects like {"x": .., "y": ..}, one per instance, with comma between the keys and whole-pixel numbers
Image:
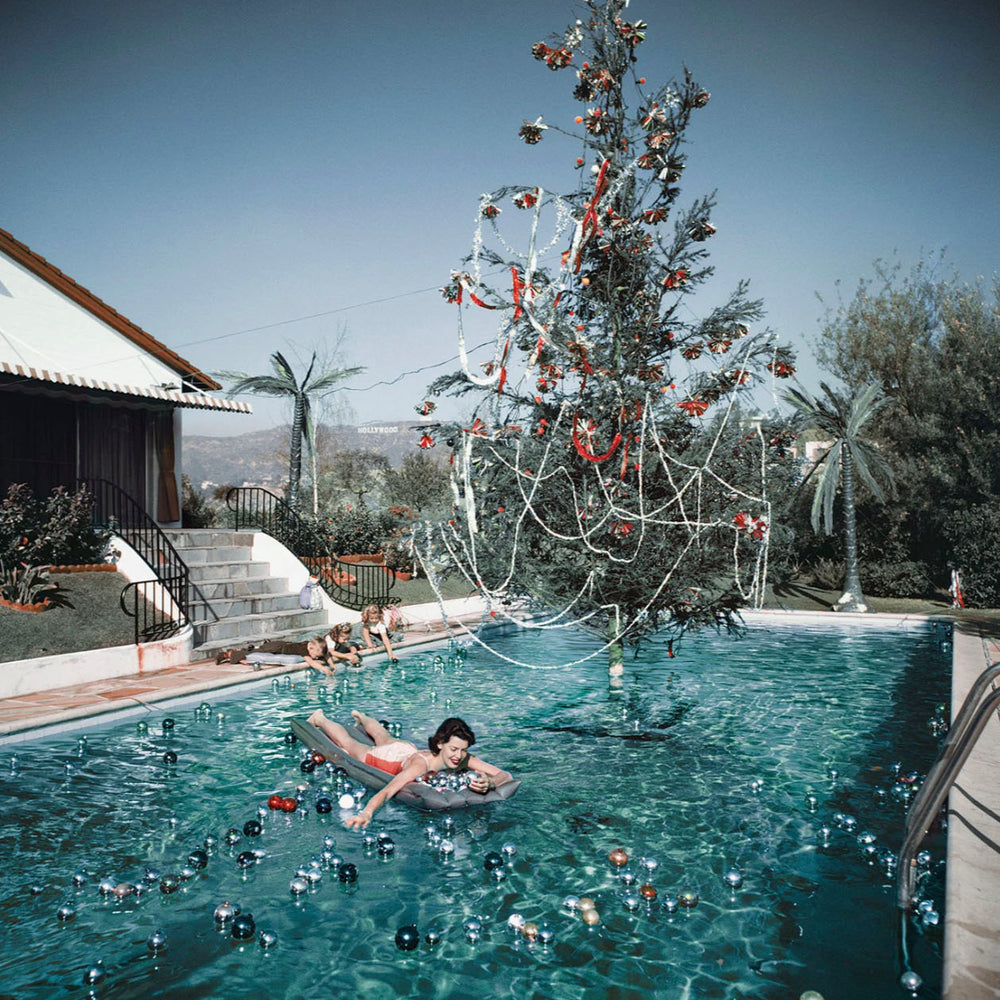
[{"x": 236, "y": 600}]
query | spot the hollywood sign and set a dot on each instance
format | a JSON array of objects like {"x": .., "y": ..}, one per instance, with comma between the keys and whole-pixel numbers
[{"x": 378, "y": 430}]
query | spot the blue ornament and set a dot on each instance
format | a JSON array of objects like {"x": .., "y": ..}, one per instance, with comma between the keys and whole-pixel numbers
[{"x": 407, "y": 938}]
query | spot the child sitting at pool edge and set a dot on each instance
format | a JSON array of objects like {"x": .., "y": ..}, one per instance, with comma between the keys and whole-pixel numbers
[{"x": 373, "y": 625}]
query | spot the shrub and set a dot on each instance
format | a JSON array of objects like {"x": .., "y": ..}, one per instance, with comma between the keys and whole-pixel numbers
[
  {"x": 905, "y": 578},
  {"x": 24, "y": 584},
  {"x": 354, "y": 530},
  {"x": 53, "y": 531},
  {"x": 828, "y": 574},
  {"x": 975, "y": 550},
  {"x": 196, "y": 510}
]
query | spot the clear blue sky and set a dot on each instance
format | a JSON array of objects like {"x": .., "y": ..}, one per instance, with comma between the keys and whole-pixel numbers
[{"x": 207, "y": 169}]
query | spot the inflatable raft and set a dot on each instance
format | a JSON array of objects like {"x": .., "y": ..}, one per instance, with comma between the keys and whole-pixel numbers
[{"x": 416, "y": 793}]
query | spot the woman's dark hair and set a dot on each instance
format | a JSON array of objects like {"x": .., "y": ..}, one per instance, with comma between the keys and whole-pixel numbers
[{"x": 447, "y": 729}]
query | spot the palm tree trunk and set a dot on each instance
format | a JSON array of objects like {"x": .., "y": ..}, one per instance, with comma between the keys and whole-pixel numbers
[
  {"x": 852, "y": 598},
  {"x": 295, "y": 453}
]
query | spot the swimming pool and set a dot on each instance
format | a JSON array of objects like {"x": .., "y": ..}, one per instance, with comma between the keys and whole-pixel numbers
[{"x": 703, "y": 765}]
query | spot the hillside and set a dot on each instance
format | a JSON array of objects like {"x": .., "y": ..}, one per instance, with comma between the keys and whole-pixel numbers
[{"x": 261, "y": 457}]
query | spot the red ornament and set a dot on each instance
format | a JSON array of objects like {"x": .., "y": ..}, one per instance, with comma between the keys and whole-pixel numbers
[
  {"x": 289, "y": 805},
  {"x": 618, "y": 857},
  {"x": 275, "y": 802},
  {"x": 318, "y": 758},
  {"x": 647, "y": 891}
]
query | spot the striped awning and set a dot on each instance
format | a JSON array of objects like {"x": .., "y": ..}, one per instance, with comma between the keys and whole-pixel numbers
[{"x": 194, "y": 400}]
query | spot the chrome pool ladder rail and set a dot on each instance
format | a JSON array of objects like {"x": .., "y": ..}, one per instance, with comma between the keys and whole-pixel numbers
[{"x": 959, "y": 743}]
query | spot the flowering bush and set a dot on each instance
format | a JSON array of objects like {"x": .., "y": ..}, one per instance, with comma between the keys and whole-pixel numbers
[
  {"x": 355, "y": 530},
  {"x": 53, "y": 531}
]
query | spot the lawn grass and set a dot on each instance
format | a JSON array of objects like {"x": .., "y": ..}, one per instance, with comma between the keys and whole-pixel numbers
[{"x": 96, "y": 620}]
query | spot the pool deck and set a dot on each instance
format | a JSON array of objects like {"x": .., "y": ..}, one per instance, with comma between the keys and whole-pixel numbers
[
  {"x": 972, "y": 905},
  {"x": 25, "y": 716},
  {"x": 972, "y": 921}
]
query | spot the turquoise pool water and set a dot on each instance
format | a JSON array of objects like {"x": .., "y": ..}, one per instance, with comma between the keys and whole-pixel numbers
[{"x": 703, "y": 764}]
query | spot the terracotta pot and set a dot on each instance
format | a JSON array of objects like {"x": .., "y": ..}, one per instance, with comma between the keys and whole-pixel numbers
[
  {"x": 374, "y": 557},
  {"x": 404, "y": 575},
  {"x": 34, "y": 608},
  {"x": 85, "y": 568}
]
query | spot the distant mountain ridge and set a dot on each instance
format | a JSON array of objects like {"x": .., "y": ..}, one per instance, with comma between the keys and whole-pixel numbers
[{"x": 261, "y": 457}]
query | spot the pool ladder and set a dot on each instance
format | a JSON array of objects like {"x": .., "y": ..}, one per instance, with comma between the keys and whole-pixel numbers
[{"x": 965, "y": 730}]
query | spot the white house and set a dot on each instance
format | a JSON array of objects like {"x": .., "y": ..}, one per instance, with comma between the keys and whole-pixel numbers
[{"x": 87, "y": 394}]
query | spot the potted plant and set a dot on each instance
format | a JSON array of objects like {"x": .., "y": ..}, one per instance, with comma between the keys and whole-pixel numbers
[{"x": 398, "y": 555}]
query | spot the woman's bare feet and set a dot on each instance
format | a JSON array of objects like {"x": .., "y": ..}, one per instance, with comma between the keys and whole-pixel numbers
[
  {"x": 358, "y": 717},
  {"x": 316, "y": 718}
]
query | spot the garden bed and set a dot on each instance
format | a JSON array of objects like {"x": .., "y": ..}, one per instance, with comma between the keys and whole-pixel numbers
[{"x": 96, "y": 620}]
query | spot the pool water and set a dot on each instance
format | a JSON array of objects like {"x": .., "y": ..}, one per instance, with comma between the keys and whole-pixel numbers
[{"x": 699, "y": 765}]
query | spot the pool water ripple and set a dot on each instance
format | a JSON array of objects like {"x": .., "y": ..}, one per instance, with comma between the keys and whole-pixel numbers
[{"x": 702, "y": 762}]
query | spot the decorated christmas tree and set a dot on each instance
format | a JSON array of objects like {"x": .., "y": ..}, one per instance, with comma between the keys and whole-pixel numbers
[{"x": 607, "y": 470}]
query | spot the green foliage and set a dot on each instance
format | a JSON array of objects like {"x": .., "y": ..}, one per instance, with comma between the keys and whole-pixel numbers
[
  {"x": 284, "y": 383},
  {"x": 587, "y": 472},
  {"x": 849, "y": 455},
  {"x": 355, "y": 530},
  {"x": 54, "y": 531},
  {"x": 24, "y": 584},
  {"x": 197, "y": 511},
  {"x": 933, "y": 343},
  {"x": 421, "y": 485},
  {"x": 974, "y": 543},
  {"x": 355, "y": 476}
]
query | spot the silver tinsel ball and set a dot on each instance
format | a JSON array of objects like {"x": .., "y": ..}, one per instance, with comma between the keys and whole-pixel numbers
[
  {"x": 733, "y": 878},
  {"x": 446, "y": 846},
  {"x": 909, "y": 980},
  {"x": 631, "y": 902},
  {"x": 65, "y": 913},
  {"x": 546, "y": 933},
  {"x": 156, "y": 940},
  {"x": 225, "y": 912},
  {"x": 94, "y": 974},
  {"x": 509, "y": 849},
  {"x": 298, "y": 886},
  {"x": 268, "y": 939}
]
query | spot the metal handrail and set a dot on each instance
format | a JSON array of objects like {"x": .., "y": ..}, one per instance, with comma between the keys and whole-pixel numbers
[
  {"x": 115, "y": 509},
  {"x": 965, "y": 730},
  {"x": 352, "y": 585},
  {"x": 155, "y": 618}
]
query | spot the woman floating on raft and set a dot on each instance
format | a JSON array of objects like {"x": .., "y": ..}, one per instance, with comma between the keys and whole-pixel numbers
[{"x": 448, "y": 751}]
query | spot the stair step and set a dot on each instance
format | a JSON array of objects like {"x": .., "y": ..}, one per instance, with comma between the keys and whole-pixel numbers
[
  {"x": 209, "y": 648},
  {"x": 242, "y": 607},
  {"x": 202, "y": 554},
  {"x": 201, "y": 537},
  {"x": 262, "y": 626},
  {"x": 229, "y": 571},
  {"x": 228, "y": 589}
]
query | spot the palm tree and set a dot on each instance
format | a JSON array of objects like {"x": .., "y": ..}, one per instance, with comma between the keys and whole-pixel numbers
[
  {"x": 283, "y": 383},
  {"x": 842, "y": 418}
]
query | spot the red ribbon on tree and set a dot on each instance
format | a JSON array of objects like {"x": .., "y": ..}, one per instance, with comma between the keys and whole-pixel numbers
[
  {"x": 590, "y": 216},
  {"x": 589, "y": 455}
]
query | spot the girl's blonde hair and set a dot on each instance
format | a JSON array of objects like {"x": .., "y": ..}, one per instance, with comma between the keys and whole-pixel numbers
[{"x": 371, "y": 611}]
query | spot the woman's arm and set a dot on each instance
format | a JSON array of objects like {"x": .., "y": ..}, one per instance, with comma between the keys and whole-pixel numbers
[
  {"x": 410, "y": 773},
  {"x": 487, "y": 776}
]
